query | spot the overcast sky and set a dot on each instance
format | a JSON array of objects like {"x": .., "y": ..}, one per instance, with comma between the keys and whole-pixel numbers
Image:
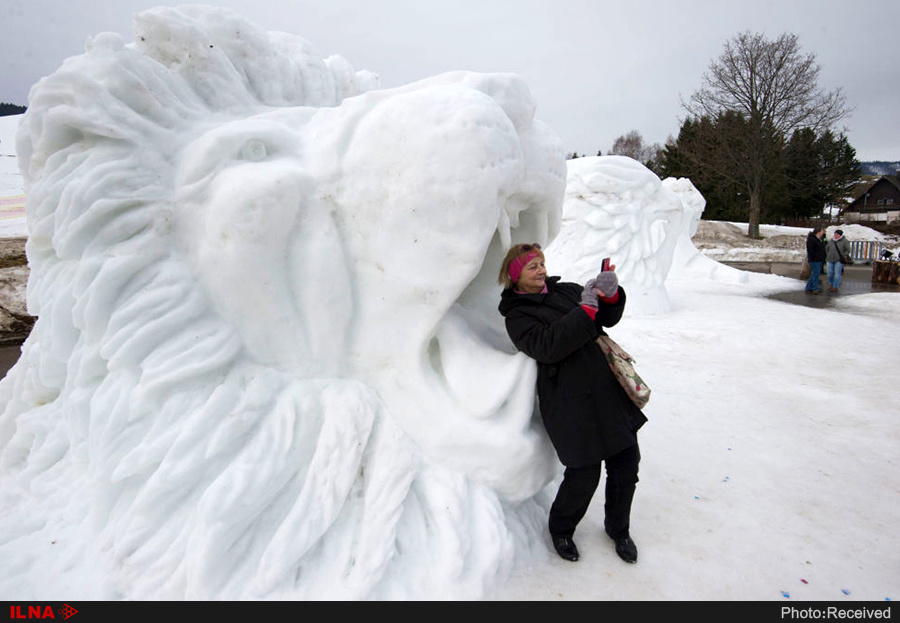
[{"x": 598, "y": 69}]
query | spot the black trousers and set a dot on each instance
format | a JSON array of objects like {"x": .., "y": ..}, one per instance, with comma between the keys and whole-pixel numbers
[{"x": 577, "y": 489}]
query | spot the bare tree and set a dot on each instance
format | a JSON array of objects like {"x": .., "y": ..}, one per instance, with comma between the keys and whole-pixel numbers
[
  {"x": 632, "y": 145},
  {"x": 775, "y": 88}
]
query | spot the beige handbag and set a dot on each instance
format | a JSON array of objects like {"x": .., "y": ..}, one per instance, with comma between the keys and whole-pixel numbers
[{"x": 620, "y": 362}]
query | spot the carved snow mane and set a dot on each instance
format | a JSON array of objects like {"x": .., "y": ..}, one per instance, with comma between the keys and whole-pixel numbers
[{"x": 321, "y": 433}]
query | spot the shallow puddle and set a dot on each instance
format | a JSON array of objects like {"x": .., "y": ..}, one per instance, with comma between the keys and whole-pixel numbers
[{"x": 857, "y": 279}]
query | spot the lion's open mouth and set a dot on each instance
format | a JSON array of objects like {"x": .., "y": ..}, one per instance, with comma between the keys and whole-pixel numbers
[
  {"x": 478, "y": 378},
  {"x": 470, "y": 350}
]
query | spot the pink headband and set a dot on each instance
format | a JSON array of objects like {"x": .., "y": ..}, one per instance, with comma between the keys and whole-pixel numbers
[{"x": 516, "y": 266}]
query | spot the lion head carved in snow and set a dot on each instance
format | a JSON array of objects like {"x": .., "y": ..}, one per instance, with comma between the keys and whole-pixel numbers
[{"x": 267, "y": 360}]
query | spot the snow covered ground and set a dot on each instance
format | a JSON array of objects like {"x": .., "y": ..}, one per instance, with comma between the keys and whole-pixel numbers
[
  {"x": 12, "y": 184},
  {"x": 769, "y": 466},
  {"x": 11, "y": 181}
]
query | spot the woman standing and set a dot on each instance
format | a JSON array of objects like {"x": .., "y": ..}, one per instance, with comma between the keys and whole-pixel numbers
[
  {"x": 815, "y": 256},
  {"x": 836, "y": 255},
  {"x": 587, "y": 414}
]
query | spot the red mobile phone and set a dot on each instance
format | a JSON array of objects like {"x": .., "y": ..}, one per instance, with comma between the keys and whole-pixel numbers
[{"x": 604, "y": 266}]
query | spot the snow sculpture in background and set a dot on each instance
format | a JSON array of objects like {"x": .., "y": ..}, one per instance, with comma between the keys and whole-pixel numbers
[
  {"x": 616, "y": 207},
  {"x": 268, "y": 362},
  {"x": 688, "y": 261}
]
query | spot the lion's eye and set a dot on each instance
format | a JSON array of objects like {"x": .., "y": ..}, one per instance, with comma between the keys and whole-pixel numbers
[{"x": 254, "y": 150}]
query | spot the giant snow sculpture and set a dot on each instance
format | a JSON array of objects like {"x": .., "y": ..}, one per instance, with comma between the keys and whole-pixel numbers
[
  {"x": 267, "y": 361},
  {"x": 616, "y": 207},
  {"x": 688, "y": 261}
]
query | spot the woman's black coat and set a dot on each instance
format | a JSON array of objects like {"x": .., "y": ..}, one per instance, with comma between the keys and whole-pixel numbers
[
  {"x": 815, "y": 248},
  {"x": 587, "y": 414}
]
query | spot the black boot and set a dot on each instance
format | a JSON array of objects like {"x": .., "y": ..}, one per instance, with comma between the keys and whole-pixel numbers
[
  {"x": 565, "y": 547},
  {"x": 626, "y": 549}
]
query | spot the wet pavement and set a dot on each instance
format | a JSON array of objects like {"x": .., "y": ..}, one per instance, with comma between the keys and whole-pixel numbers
[
  {"x": 857, "y": 279},
  {"x": 9, "y": 355}
]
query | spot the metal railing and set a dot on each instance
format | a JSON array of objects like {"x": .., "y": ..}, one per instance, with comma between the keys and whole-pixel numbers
[{"x": 865, "y": 250}]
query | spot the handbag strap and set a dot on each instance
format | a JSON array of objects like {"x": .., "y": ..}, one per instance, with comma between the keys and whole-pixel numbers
[
  {"x": 610, "y": 344},
  {"x": 836, "y": 248}
]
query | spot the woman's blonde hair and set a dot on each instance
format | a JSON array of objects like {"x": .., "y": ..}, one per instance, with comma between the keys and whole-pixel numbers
[{"x": 515, "y": 251}]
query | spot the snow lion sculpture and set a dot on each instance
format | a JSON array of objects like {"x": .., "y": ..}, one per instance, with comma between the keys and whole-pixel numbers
[{"x": 267, "y": 361}]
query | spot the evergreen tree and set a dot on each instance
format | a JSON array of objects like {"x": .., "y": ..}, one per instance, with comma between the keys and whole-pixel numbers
[
  {"x": 703, "y": 152},
  {"x": 805, "y": 173},
  {"x": 10, "y": 109}
]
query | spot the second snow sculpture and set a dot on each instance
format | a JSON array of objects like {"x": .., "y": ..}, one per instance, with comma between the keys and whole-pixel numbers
[
  {"x": 268, "y": 362},
  {"x": 616, "y": 207}
]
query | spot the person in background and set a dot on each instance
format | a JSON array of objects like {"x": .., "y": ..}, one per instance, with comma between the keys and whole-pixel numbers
[
  {"x": 837, "y": 252},
  {"x": 815, "y": 255},
  {"x": 588, "y": 416}
]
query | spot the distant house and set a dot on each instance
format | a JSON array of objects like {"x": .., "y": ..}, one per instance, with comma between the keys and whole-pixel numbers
[{"x": 876, "y": 202}]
